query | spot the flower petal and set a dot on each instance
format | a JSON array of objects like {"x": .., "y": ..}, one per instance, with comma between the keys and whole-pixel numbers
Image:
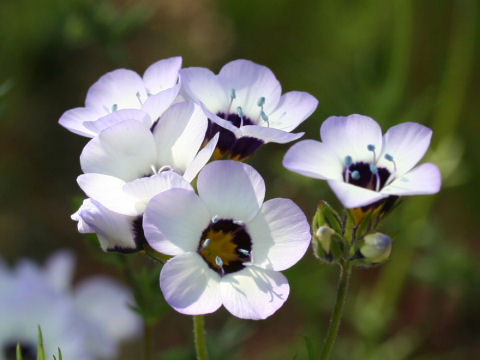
[
  {"x": 146, "y": 188},
  {"x": 162, "y": 75},
  {"x": 251, "y": 82},
  {"x": 201, "y": 85},
  {"x": 156, "y": 104},
  {"x": 424, "y": 179},
  {"x": 406, "y": 143},
  {"x": 254, "y": 293},
  {"x": 269, "y": 134},
  {"x": 231, "y": 189},
  {"x": 314, "y": 159},
  {"x": 114, "y": 230},
  {"x": 108, "y": 190},
  {"x": 125, "y": 150},
  {"x": 201, "y": 159},
  {"x": 179, "y": 135},
  {"x": 352, "y": 196},
  {"x": 189, "y": 285},
  {"x": 351, "y": 135},
  {"x": 74, "y": 120},
  {"x": 280, "y": 235},
  {"x": 117, "y": 117},
  {"x": 59, "y": 270},
  {"x": 119, "y": 89},
  {"x": 174, "y": 221},
  {"x": 106, "y": 304},
  {"x": 294, "y": 107}
]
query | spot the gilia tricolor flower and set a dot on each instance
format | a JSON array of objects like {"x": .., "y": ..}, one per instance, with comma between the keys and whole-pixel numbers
[
  {"x": 361, "y": 166},
  {"x": 244, "y": 102},
  {"x": 87, "y": 322},
  {"x": 125, "y": 89},
  {"x": 228, "y": 245}
]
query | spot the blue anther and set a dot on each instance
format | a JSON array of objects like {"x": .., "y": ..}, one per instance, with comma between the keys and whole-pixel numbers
[
  {"x": 355, "y": 175},
  {"x": 348, "y": 161},
  {"x": 373, "y": 169},
  {"x": 261, "y": 101},
  {"x": 233, "y": 94},
  {"x": 389, "y": 157},
  {"x": 205, "y": 243},
  {"x": 215, "y": 219},
  {"x": 244, "y": 252},
  {"x": 240, "y": 111},
  {"x": 264, "y": 116},
  {"x": 218, "y": 261},
  {"x": 114, "y": 107},
  {"x": 371, "y": 147}
]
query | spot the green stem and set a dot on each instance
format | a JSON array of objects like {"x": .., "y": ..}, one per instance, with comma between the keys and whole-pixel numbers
[
  {"x": 147, "y": 340},
  {"x": 199, "y": 337},
  {"x": 345, "y": 272}
]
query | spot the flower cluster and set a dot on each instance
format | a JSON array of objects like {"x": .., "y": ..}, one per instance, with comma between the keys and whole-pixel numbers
[
  {"x": 151, "y": 139},
  {"x": 69, "y": 319}
]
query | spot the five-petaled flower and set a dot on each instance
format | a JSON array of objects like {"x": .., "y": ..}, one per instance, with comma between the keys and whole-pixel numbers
[
  {"x": 244, "y": 102},
  {"x": 361, "y": 166},
  {"x": 124, "y": 91},
  {"x": 228, "y": 245}
]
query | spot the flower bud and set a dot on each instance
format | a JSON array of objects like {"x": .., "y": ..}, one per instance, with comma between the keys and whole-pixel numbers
[
  {"x": 376, "y": 247},
  {"x": 324, "y": 236}
]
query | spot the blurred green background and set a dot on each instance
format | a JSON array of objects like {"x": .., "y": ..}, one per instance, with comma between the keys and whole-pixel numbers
[{"x": 398, "y": 60}]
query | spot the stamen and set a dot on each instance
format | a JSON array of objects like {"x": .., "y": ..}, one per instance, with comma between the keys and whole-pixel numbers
[
  {"x": 114, "y": 107},
  {"x": 138, "y": 97},
  {"x": 371, "y": 148},
  {"x": 233, "y": 94},
  {"x": 238, "y": 222},
  {"x": 261, "y": 101},
  {"x": 374, "y": 171},
  {"x": 392, "y": 175},
  {"x": 205, "y": 243},
  {"x": 240, "y": 111},
  {"x": 219, "y": 262},
  {"x": 355, "y": 175},
  {"x": 244, "y": 252},
  {"x": 215, "y": 219},
  {"x": 348, "y": 163},
  {"x": 265, "y": 117}
]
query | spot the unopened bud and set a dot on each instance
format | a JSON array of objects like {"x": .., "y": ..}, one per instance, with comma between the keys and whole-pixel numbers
[
  {"x": 324, "y": 236},
  {"x": 376, "y": 247}
]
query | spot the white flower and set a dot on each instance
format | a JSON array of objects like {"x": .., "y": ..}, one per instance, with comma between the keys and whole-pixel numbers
[
  {"x": 74, "y": 321},
  {"x": 245, "y": 104},
  {"x": 125, "y": 89},
  {"x": 228, "y": 245},
  {"x": 127, "y": 163},
  {"x": 361, "y": 166}
]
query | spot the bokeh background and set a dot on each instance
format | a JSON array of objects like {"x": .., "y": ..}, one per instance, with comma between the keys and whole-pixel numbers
[{"x": 396, "y": 61}]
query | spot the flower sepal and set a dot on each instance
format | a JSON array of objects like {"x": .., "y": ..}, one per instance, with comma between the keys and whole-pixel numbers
[{"x": 327, "y": 243}]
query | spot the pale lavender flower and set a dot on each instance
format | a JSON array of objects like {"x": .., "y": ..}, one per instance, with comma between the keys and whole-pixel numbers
[
  {"x": 124, "y": 89},
  {"x": 361, "y": 166},
  {"x": 228, "y": 245},
  {"x": 74, "y": 320},
  {"x": 245, "y": 104}
]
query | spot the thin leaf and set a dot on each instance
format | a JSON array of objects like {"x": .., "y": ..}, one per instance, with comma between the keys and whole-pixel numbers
[
  {"x": 19, "y": 352},
  {"x": 40, "y": 349}
]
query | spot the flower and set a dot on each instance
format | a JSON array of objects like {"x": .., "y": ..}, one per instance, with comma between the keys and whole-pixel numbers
[
  {"x": 125, "y": 89},
  {"x": 228, "y": 244},
  {"x": 74, "y": 320},
  {"x": 127, "y": 163},
  {"x": 244, "y": 103},
  {"x": 361, "y": 166}
]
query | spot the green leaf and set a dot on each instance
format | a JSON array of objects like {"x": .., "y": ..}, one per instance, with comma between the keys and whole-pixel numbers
[
  {"x": 326, "y": 215},
  {"x": 40, "y": 349},
  {"x": 309, "y": 346},
  {"x": 19, "y": 352}
]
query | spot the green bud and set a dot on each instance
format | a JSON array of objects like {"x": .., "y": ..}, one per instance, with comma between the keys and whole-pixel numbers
[
  {"x": 376, "y": 247},
  {"x": 324, "y": 236}
]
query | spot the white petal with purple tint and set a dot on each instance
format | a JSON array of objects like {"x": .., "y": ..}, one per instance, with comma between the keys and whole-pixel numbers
[
  {"x": 294, "y": 107},
  {"x": 424, "y": 179},
  {"x": 162, "y": 75}
]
